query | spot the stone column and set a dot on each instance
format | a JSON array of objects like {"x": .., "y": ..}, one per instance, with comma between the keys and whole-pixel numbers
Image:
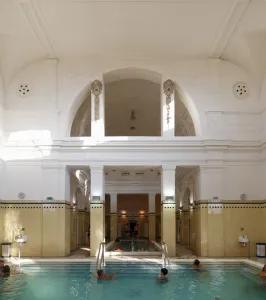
[
  {"x": 97, "y": 209},
  {"x": 168, "y": 109},
  {"x": 152, "y": 217},
  {"x": 168, "y": 210},
  {"x": 97, "y": 109},
  {"x": 113, "y": 218}
]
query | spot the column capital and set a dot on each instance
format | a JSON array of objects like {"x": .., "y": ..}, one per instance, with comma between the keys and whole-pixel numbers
[
  {"x": 96, "y": 87},
  {"x": 97, "y": 109},
  {"x": 97, "y": 168},
  {"x": 113, "y": 195},
  {"x": 168, "y": 168},
  {"x": 168, "y": 87},
  {"x": 152, "y": 194}
]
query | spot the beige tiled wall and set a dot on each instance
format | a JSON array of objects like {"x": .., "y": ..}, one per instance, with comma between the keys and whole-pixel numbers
[
  {"x": 46, "y": 227},
  {"x": 217, "y": 233}
]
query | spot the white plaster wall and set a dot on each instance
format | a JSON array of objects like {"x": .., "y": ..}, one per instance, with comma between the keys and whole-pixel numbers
[
  {"x": 229, "y": 182},
  {"x": 25, "y": 179},
  {"x": 1, "y": 109},
  {"x": 1, "y": 135},
  {"x": 243, "y": 179},
  {"x": 263, "y": 107},
  {"x": 33, "y": 117},
  {"x": 57, "y": 90}
]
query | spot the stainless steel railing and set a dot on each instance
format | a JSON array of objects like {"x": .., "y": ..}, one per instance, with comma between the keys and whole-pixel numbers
[
  {"x": 165, "y": 256},
  {"x": 100, "y": 257}
]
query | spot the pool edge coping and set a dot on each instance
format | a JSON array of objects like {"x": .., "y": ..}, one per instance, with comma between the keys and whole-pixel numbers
[{"x": 137, "y": 259}]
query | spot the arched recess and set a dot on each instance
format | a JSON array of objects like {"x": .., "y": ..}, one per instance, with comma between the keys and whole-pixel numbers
[
  {"x": 81, "y": 125},
  {"x": 133, "y": 106},
  {"x": 184, "y": 125},
  {"x": 132, "y": 103}
]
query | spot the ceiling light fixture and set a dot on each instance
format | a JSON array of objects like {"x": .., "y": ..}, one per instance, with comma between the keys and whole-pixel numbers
[{"x": 132, "y": 116}]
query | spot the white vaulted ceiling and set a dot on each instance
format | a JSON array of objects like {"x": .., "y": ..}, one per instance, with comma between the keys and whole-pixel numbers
[{"x": 35, "y": 29}]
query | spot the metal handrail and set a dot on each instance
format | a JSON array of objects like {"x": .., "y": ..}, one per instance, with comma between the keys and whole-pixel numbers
[
  {"x": 132, "y": 245},
  {"x": 100, "y": 257},
  {"x": 165, "y": 256}
]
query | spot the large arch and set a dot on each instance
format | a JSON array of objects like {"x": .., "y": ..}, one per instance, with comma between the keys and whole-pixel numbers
[{"x": 187, "y": 119}]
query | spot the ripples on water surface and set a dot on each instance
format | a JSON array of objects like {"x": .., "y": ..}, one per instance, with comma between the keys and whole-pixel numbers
[{"x": 69, "y": 281}]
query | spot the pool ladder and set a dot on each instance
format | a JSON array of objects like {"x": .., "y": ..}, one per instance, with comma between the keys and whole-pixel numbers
[
  {"x": 165, "y": 256},
  {"x": 100, "y": 257},
  {"x": 132, "y": 246}
]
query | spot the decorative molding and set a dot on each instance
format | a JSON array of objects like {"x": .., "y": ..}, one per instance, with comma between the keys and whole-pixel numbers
[
  {"x": 233, "y": 17},
  {"x": 96, "y": 89},
  {"x": 168, "y": 88},
  {"x": 38, "y": 25},
  {"x": 131, "y": 1}
]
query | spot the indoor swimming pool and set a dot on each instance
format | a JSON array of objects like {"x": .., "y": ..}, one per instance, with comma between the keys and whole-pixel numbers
[
  {"x": 134, "y": 246},
  {"x": 73, "y": 280}
]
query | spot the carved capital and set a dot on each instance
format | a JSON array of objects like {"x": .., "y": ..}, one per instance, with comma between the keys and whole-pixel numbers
[
  {"x": 168, "y": 87},
  {"x": 96, "y": 88}
]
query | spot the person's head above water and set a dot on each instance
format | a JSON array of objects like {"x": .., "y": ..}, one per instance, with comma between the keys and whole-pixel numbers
[
  {"x": 264, "y": 268},
  {"x": 164, "y": 271},
  {"x": 196, "y": 262},
  {"x": 100, "y": 273},
  {"x": 6, "y": 269}
]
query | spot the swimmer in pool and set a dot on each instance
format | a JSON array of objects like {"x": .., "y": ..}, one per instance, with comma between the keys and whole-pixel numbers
[
  {"x": 263, "y": 272},
  {"x": 163, "y": 276},
  {"x": 2, "y": 263},
  {"x": 101, "y": 275},
  {"x": 196, "y": 264},
  {"x": 6, "y": 271}
]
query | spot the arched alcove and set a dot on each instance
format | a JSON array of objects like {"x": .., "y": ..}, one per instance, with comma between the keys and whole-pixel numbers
[
  {"x": 81, "y": 125},
  {"x": 132, "y": 106},
  {"x": 184, "y": 125}
]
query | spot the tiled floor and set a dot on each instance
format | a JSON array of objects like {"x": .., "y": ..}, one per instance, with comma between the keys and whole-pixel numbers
[
  {"x": 183, "y": 252},
  {"x": 83, "y": 251}
]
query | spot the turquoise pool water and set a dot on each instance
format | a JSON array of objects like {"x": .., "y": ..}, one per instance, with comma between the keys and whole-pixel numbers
[
  {"x": 69, "y": 281},
  {"x": 139, "y": 245}
]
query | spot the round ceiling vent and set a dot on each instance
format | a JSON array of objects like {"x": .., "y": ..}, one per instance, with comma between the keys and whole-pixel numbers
[
  {"x": 21, "y": 195},
  {"x": 243, "y": 196},
  {"x": 23, "y": 90},
  {"x": 241, "y": 90}
]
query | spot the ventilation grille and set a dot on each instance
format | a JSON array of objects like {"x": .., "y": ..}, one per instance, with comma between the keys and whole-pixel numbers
[
  {"x": 241, "y": 90},
  {"x": 139, "y": 173},
  {"x": 23, "y": 90},
  {"x": 125, "y": 174}
]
